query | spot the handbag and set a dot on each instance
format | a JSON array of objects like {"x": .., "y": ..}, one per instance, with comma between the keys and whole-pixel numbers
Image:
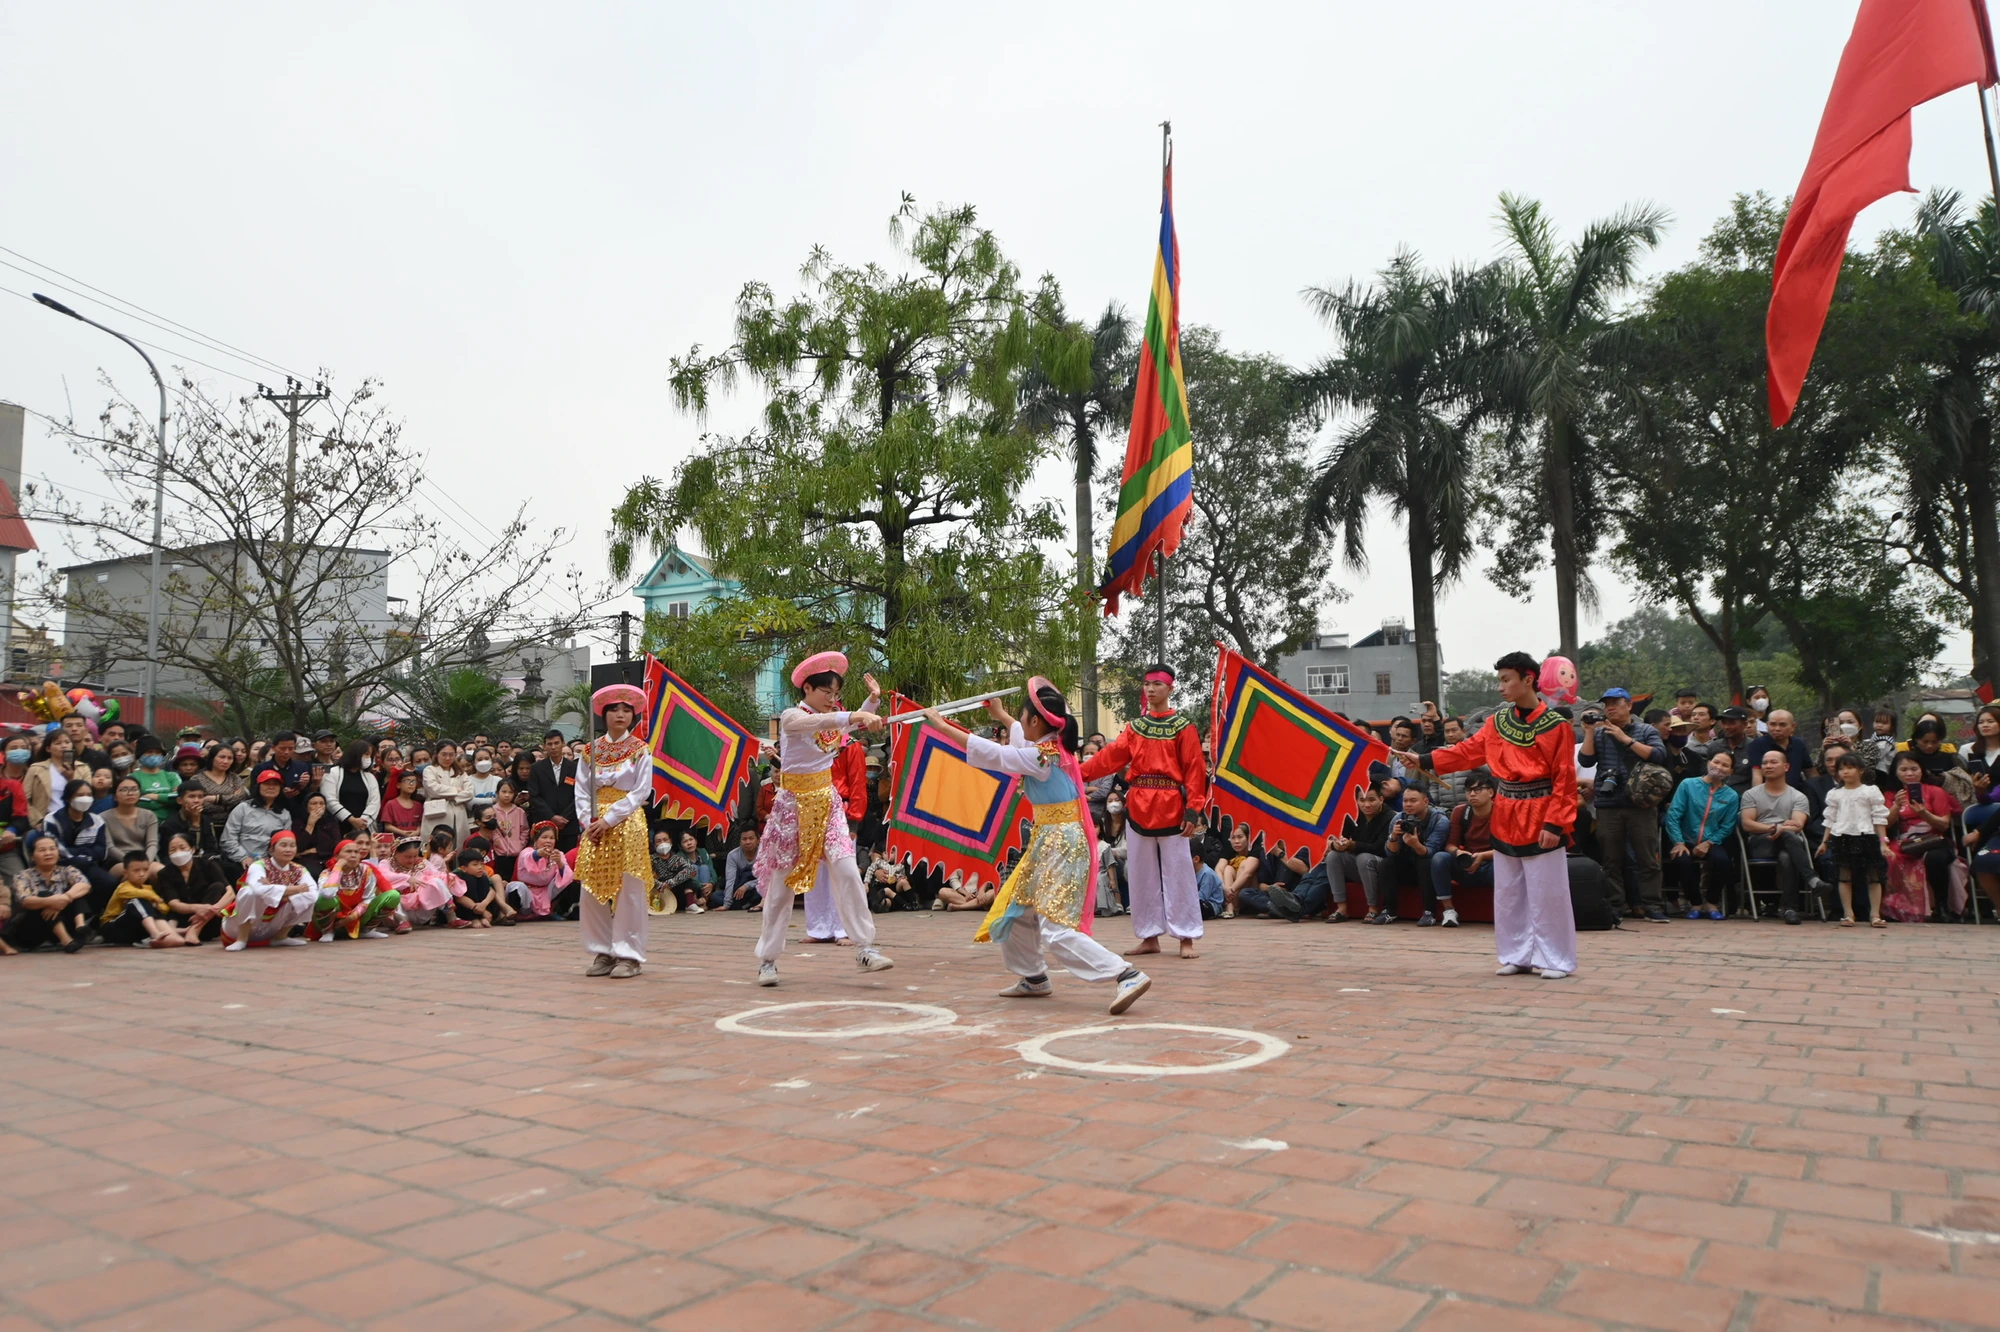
[{"x": 1917, "y": 846}]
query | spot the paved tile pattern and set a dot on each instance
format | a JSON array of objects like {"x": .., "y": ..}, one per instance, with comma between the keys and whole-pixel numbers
[{"x": 1713, "y": 1126}]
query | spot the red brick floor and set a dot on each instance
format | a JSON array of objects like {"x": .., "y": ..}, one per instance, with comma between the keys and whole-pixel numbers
[{"x": 460, "y": 1131}]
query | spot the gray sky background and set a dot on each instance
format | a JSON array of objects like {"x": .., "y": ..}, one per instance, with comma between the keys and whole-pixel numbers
[{"x": 514, "y": 214}]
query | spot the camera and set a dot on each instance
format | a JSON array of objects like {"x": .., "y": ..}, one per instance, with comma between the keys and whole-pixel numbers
[
  {"x": 1593, "y": 715},
  {"x": 1611, "y": 783}
]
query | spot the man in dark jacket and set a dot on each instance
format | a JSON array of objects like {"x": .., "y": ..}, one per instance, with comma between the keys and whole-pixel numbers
[
  {"x": 552, "y": 791},
  {"x": 1357, "y": 856}
]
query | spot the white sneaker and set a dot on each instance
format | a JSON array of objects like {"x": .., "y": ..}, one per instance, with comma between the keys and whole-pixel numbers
[
  {"x": 324, "y": 938},
  {"x": 1450, "y": 920},
  {"x": 373, "y": 934},
  {"x": 1510, "y": 969},
  {"x": 767, "y": 975},
  {"x": 288, "y": 943},
  {"x": 1027, "y": 989},
  {"x": 1129, "y": 991},
  {"x": 1550, "y": 973},
  {"x": 870, "y": 960},
  {"x": 697, "y": 909},
  {"x": 937, "y": 904}
]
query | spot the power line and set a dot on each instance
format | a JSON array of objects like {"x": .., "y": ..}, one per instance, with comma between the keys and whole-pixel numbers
[{"x": 173, "y": 352}]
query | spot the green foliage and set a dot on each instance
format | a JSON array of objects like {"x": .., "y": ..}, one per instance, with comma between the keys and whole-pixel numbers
[
  {"x": 262, "y": 708},
  {"x": 1250, "y": 571},
  {"x": 720, "y": 648},
  {"x": 1469, "y": 691},
  {"x": 881, "y": 495},
  {"x": 451, "y": 705}
]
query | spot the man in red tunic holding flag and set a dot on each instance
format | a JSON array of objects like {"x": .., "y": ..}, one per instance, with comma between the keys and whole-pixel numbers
[
  {"x": 1532, "y": 752},
  {"x": 1168, "y": 781}
]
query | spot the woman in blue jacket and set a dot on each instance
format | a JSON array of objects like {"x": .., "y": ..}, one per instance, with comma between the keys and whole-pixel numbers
[{"x": 1701, "y": 829}]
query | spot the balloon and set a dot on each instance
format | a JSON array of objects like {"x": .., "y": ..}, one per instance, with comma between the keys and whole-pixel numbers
[
  {"x": 1557, "y": 681},
  {"x": 111, "y": 711}
]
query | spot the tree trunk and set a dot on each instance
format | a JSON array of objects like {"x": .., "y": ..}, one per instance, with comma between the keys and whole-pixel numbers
[
  {"x": 1562, "y": 531},
  {"x": 1985, "y": 524},
  {"x": 1423, "y": 595},
  {"x": 1086, "y": 584}
]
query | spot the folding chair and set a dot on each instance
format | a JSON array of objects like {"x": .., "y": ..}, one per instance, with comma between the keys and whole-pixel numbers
[{"x": 1768, "y": 860}]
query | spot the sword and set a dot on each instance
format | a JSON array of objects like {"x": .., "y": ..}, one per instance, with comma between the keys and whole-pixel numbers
[{"x": 956, "y": 705}]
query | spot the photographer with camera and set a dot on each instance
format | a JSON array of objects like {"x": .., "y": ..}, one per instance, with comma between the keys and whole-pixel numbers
[{"x": 1614, "y": 745}]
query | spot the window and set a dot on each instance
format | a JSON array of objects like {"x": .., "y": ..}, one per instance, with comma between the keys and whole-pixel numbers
[
  {"x": 1382, "y": 683},
  {"x": 677, "y": 610},
  {"x": 1326, "y": 679}
]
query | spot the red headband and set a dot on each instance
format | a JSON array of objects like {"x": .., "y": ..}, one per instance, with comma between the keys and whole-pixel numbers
[
  {"x": 283, "y": 834},
  {"x": 1159, "y": 677}
]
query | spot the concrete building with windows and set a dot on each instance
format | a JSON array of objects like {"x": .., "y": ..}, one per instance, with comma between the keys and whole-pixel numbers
[
  {"x": 1372, "y": 678},
  {"x": 681, "y": 583}
]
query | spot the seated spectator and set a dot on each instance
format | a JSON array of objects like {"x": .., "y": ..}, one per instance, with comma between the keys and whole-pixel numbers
[
  {"x": 479, "y": 902},
  {"x": 1239, "y": 871},
  {"x": 319, "y": 833},
  {"x": 739, "y": 876},
  {"x": 1701, "y": 826},
  {"x": 1773, "y": 818},
  {"x": 1781, "y": 735},
  {"x": 191, "y": 821},
  {"x": 1920, "y": 848},
  {"x": 884, "y": 882},
  {"x": 49, "y": 900},
  {"x": 424, "y": 891},
  {"x": 1207, "y": 889},
  {"x": 248, "y": 829},
  {"x": 673, "y": 876},
  {"x": 1272, "y": 895},
  {"x": 130, "y": 826},
  {"x": 540, "y": 875},
  {"x": 1113, "y": 889},
  {"x": 1982, "y": 764},
  {"x": 1417, "y": 856},
  {"x": 353, "y": 899},
  {"x": 157, "y": 783},
  {"x": 84, "y": 841},
  {"x": 1929, "y": 747},
  {"x": 704, "y": 870},
  {"x": 136, "y": 916},
  {"x": 277, "y": 896},
  {"x": 403, "y": 813},
  {"x": 1358, "y": 855},
  {"x": 1469, "y": 841},
  {"x": 956, "y": 896},
  {"x": 192, "y": 885},
  {"x": 1857, "y": 823}
]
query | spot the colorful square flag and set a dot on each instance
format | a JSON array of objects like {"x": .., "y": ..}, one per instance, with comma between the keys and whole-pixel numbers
[
  {"x": 700, "y": 753},
  {"x": 945, "y": 813},
  {"x": 1284, "y": 765}
]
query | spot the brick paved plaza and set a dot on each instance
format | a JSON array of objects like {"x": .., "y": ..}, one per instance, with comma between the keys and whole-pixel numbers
[{"x": 1725, "y": 1126}]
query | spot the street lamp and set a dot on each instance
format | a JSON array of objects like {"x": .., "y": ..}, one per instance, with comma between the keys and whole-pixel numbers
[{"x": 159, "y": 504}]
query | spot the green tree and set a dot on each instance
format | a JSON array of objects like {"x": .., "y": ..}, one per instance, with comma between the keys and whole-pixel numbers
[
  {"x": 720, "y": 648},
  {"x": 1250, "y": 572},
  {"x": 881, "y": 495},
  {"x": 454, "y": 704},
  {"x": 1860, "y": 628},
  {"x": 1080, "y": 387},
  {"x": 1560, "y": 319},
  {"x": 1404, "y": 344},
  {"x": 1469, "y": 691}
]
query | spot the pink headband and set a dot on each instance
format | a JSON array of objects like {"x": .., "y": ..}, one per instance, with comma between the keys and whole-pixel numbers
[
  {"x": 1035, "y": 687},
  {"x": 1159, "y": 677}
]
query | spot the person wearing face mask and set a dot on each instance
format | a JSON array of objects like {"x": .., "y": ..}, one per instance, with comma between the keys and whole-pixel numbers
[
  {"x": 14, "y": 823},
  {"x": 485, "y": 783},
  {"x": 85, "y": 842},
  {"x": 157, "y": 785},
  {"x": 1758, "y": 700},
  {"x": 193, "y": 888},
  {"x": 54, "y": 768},
  {"x": 353, "y": 795}
]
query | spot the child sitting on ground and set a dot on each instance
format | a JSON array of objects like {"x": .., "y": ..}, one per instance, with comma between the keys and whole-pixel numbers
[{"x": 136, "y": 915}]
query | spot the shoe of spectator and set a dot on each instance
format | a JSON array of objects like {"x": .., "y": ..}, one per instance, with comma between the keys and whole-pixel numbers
[
  {"x": 1285, "y": 904},
  {"x": 1694, "y": 913},
  {"x": 624, "y": 969},
  {"x": 696, "y": 909},
  {"x": 1791, "y": 916},
  {"x": 1550, "y": 973},
  {"x": 1656, "y": 915},
  {"x": 1715, "y": 913},
  {"x": 1427, "y": 919},
  {"x": 1129, "y": 990},
  {"x": 867, "y": 959},
  {"x": 600, "y": 965},
  {"x": 1029, "y": 989},
  {"x": 937, "y": 904},
  {"x": 1510, "y": 969},
  {"x": 767, "y": 974},
  {"x": 1450, "y": 920},
  {"x": 293, "y": 942},
  {"x": 1384, "y": 917},
  {"x": 373, "y": 934},
  {"x": 1227, "y": 914}
]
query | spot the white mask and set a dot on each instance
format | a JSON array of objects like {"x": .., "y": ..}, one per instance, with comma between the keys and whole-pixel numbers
[
  {"x": 1849, "y": 728},
  {"x": 484, "y": 765},
  {"x": 1761, "y": 704},
  {"x": 366, "y": 763},
  {"x": 181, "y": 858},
  {"x": 80, "y": 803}
]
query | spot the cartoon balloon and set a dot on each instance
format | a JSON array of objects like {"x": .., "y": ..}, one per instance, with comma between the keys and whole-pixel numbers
[{"x": 1558, "y": 680}]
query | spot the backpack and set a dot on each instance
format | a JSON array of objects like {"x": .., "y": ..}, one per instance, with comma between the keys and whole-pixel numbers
[{"x": 1649, "y": 786}]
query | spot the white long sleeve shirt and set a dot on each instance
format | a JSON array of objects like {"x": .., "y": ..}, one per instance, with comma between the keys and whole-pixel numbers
[
  {"x": 1856, "y": 812},
  {"x": 808, "y": 740},
  {"x": 634, "y": 777}
]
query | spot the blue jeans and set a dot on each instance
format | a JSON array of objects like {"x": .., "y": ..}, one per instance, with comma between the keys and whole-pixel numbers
[{"x": 1446, "y": 873}]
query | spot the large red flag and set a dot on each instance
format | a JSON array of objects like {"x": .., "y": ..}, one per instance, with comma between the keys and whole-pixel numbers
[{"x": 1900, "y": 54}]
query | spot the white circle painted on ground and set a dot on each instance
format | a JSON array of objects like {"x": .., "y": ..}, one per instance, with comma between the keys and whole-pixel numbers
[
  {"x": 1035, "y": 1050},
  {"x": 929, "y": 1017}
]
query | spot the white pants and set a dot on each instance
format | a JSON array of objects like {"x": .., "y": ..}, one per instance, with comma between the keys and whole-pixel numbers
[
  {"x": 822, "y": 917},
  {"x": 1533, "y": 922},
  {"x": 1159, "y": 874},
  {"x": 850, "y": 903},
  {"x": 293, "y": 911},
  {"x": 617, "y": 932},
  {"x": 1031, "y": 937}
]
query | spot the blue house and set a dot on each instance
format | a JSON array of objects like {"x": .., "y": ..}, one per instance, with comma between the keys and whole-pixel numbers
[{"x": 680, "y": 584}]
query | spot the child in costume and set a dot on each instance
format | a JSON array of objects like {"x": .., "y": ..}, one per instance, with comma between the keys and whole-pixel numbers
[
  {"x": 353, "y": 898},
  {"x": 424, "y": 897},
  {"x": 1045, "y": 906},
  {"x": 850, "y": 790},
  {"x": 540, "y": 872},
  {"x": 614, "y": 779},
  {"x": 807, "y": 825},
  {"x": 276, "y": 895}
]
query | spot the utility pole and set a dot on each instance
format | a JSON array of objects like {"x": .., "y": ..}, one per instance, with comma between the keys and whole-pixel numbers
[
  {"x": 293, "y": 403},
  {"x": 624, "y": 640}
]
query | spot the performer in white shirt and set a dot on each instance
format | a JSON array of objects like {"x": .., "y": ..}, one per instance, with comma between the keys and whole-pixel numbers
[
  {"x": 808, "y": 826},
  {"x": 614, "y": 863},
  {"x": 275, "y": 896}
]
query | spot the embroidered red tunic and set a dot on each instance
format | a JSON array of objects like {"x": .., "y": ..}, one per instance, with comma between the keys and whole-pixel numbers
[
  {"x": 1533, "y": 758},
  {"x": 1162, "y": 757}
]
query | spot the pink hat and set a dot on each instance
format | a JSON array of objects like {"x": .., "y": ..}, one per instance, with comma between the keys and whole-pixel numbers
[
  {"x": 631, "y": 695},
  {"x": 817, "y": 662}
]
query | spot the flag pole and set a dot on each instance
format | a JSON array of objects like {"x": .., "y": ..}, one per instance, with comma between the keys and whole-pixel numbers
[
  {"x": 1992, "y": 161},
  {"x": 1166, "y": 158}
]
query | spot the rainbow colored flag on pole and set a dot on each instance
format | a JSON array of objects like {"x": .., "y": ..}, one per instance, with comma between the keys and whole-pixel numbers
[{"x": 1158, "y": 486}]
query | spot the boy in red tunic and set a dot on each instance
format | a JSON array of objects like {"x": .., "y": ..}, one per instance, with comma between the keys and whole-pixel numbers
[
  {"x": 1168, "y": 780},
  {"x": 1532, "y": 752}
]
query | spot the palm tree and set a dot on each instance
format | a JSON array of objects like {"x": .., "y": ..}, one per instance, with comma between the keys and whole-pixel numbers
[
  {"x": 451, "y": 705},
  {"x": 1061, "y": 394},
  {"x": 1405, "y": 365},
  {"x": 1559, "y": 313}
]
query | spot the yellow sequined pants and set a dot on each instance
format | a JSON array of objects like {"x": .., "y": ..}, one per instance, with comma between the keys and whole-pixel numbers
[{"x": 601, "y": 867}]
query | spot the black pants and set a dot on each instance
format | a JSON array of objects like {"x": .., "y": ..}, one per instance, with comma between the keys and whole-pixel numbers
[
  {"x": 1687, "y": 869},
  {"x": 129, "y": 926},
  {"x": 27, "y": 931}
]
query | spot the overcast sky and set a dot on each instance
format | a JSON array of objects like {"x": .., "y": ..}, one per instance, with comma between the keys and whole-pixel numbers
[{"x": 514, "y": 214}]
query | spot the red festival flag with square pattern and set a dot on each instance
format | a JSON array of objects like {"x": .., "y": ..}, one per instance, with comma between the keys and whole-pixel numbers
[
  {"x": 945, "y": 813},
  {"x": 700, "y": 754}
]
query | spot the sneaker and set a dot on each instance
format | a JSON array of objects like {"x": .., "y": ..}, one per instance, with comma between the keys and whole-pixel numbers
[
  {"x": 1510, "y": 969},
  {"x": 1715, "y": 913},
  {"x": 697, "y": 909},
  {"x": 1029, "y": 989},
  {"x": 288, "y": 943},
  {"x": 1129, "y": 990},
  {"x": 1427, "y": 919},
  {"x": 373, "y": 934},
  {"x": 1655, "y": 915},
  {"x": 937, "y": 904},
  {"x": 600, "y": 965},
  {"x": 767, "y": 974},
  {"x": 1695, "y": 913},
  {"x": 868, "y": 959},
  {"x": 624, "y": 969},
  {"x": 1383, "y": 917},
  {"x": 1550, "y": 973},
  {"x": 1791, "y": 917},
  {"x": 1228, "y": 913},
  {"x": 1450, "y": 920},
  {"x": 1285, "y": 904}
]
